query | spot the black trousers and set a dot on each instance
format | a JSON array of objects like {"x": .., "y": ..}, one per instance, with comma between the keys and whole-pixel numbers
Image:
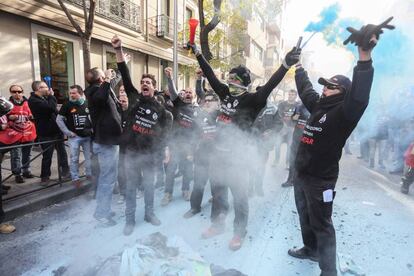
[
  {"x": 180, "y": 154},
  {"x": 48, "y": 155},
  {"x": 315, "y": 217},
  {"x": 202, "y": 158},
  {"x": 229, "y": 172},
  {"x": 293, "y": 152}
]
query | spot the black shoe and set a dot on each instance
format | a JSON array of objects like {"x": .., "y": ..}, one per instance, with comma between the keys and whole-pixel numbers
[
  {"x": 304, "y": 253},
  {"x": 19, "y": 179},
  {"x": 129, "y": 228},
  {"x": 6, "y": 187},
  {"x": 191, "y": 213},
  {"x": 152, "y": 218},
  {"x": 3, "y": 192},
  {"x": 28, "y": 175},
  {"x": 287, "y": 184}
]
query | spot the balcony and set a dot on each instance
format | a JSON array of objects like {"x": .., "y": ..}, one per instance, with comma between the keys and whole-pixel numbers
[
  {"x": 123, "y": 12},
  {"x": 162, "y": 26}
]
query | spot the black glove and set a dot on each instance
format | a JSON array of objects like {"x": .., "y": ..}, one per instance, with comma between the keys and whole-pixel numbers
[
  {"x": 292, "y": 57},
  {"x": 363, "y": 37},
  {"x": 193, "y": 48}
]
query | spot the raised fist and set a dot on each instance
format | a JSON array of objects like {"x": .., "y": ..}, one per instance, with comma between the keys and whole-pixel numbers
[
  {"x": 116, "y": 41},
  {"x": 168, "y": 72}
]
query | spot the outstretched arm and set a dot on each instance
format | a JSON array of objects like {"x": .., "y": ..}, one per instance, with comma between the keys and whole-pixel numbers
[
  {"x": 171, "y": 85},
  {"x": 123, "y": 68},
  {"x": 356, "y": 101},
  {"x": 307, "y": 94}
]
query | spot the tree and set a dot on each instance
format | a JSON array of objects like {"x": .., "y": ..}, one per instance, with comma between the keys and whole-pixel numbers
[
  {"x": 207, "y": 28},
  {"x": 86, "y": 34}
]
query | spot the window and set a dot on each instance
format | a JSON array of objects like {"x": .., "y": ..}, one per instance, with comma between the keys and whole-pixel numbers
[
  {"x": 188, "y": 14},
  {"x": 164, "y": 83},
  {"x": 56, "y": 61},
  {"x": 257, "y": 51},
  {"x": 258, "y": 19},
  {"x": 111, "y": 61}
]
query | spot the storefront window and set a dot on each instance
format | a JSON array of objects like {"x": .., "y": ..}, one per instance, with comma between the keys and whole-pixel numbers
[{"x": 56, "y": 61}]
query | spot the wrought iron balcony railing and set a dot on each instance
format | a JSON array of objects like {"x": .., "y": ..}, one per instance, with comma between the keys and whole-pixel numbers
[
  {"x": 123, "y": 12},
  {"x": 162, "y": 26}
]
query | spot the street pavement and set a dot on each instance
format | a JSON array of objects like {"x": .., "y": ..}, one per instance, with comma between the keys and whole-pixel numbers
[{"x": 374, "y": 224}]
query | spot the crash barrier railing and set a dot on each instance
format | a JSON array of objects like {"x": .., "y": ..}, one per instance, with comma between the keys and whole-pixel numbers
[{"x": 52, "y": 144}]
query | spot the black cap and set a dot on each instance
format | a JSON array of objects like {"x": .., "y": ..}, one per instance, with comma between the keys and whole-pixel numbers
[
  {"x": 338, "y": 80},
  {"x": 243, "y": 73}
]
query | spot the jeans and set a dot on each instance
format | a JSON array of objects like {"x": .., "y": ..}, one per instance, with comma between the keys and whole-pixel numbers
[
  {"x": 138, "y": 164},
  {"x": 48, "y": 149},
  {"x": 108, "y": 156},
  {"x": 315, "y": 217},
  {"x": 20, "y": 160},
  {"x": 284, "y": 136},
  {"x": 75, "y": 144}
]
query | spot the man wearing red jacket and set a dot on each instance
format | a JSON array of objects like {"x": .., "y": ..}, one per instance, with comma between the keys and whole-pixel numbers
[
  {"x": 22, "y": 130},
  {"x": 408, "y": 177}
]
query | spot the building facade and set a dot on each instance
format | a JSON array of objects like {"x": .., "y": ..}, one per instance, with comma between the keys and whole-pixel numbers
[{"x": 37, "y": 40}]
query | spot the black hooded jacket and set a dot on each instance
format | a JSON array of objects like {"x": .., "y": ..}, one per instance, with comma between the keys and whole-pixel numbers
[{"x": 331, "y": 122}]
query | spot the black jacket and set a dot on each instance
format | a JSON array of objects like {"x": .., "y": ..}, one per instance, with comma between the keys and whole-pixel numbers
[
  {"x": 331, "y": 122},
  {"x": 105, "y": 112},
  {"x": 44, "y": 110},
  {"x": 237, "y": 113},
  {"x": 147, "y": 121}
]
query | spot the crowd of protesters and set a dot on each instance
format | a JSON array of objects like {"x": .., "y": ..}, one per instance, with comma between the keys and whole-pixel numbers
[{"x": 137, "y": 138}]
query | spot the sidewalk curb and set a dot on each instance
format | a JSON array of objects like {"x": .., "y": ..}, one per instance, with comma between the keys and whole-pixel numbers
[{"x": 18, "y": 207}]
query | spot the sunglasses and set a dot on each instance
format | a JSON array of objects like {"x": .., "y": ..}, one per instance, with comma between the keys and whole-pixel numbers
[
  {"x": 333, "y": 86},
  {"x": 16, "y": 91}
]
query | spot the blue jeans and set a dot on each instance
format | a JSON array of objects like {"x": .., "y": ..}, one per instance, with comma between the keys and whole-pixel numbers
[
  {"x": 20, "y": 160},
  {"x": 108, "y": 156},
  {"x": 75, "y": 144}
]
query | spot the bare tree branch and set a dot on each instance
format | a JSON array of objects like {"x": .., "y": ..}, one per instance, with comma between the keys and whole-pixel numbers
[
  {"x": 91, "y": 18},
  {"x": 70, "y": 17},
  {"x": 206, "y": 29},
  {"x": 85, "y": 14}
]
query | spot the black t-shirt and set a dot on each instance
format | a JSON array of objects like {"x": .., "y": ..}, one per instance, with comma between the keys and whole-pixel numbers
[
  {"x": 286, "y": 111},
  {"x": 185, "y": 120},
  {"x": 77, "y": 118}
]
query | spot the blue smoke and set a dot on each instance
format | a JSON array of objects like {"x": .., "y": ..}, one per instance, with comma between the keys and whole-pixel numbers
[{"x": 328, "y": 17}]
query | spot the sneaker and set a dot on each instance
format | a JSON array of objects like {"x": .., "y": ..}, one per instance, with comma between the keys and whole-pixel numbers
[
  {"x": 304, "y": 253},
  {"x": 287, "y": 184},
  {"x": 166, "y": 199},
  {"x": 6, "y": 228},
  {"x": 129, "y": 228},
  {"x": 152, "y": 218},
  {"x": 190, "y": 213},
  {"x": 77, "y": 183},
  {"x": 65, "y": 175},
  {"x": 19, "y": 179},
  {"x": 28, "y": 175},
  {"x": 186, "y": 195},
  {"x": 44, "y": 181},
  {"x": 105, "y": 222},
  {"x": 212, "y": 231},
  {"x": 236, "y": 242}
]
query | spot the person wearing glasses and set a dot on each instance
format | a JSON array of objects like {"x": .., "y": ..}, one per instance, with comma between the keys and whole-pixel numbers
[
  {"x": 43, "y": 105},
  {"x": 21, "y": 130},
  {"x": 333, "y": 116}
]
